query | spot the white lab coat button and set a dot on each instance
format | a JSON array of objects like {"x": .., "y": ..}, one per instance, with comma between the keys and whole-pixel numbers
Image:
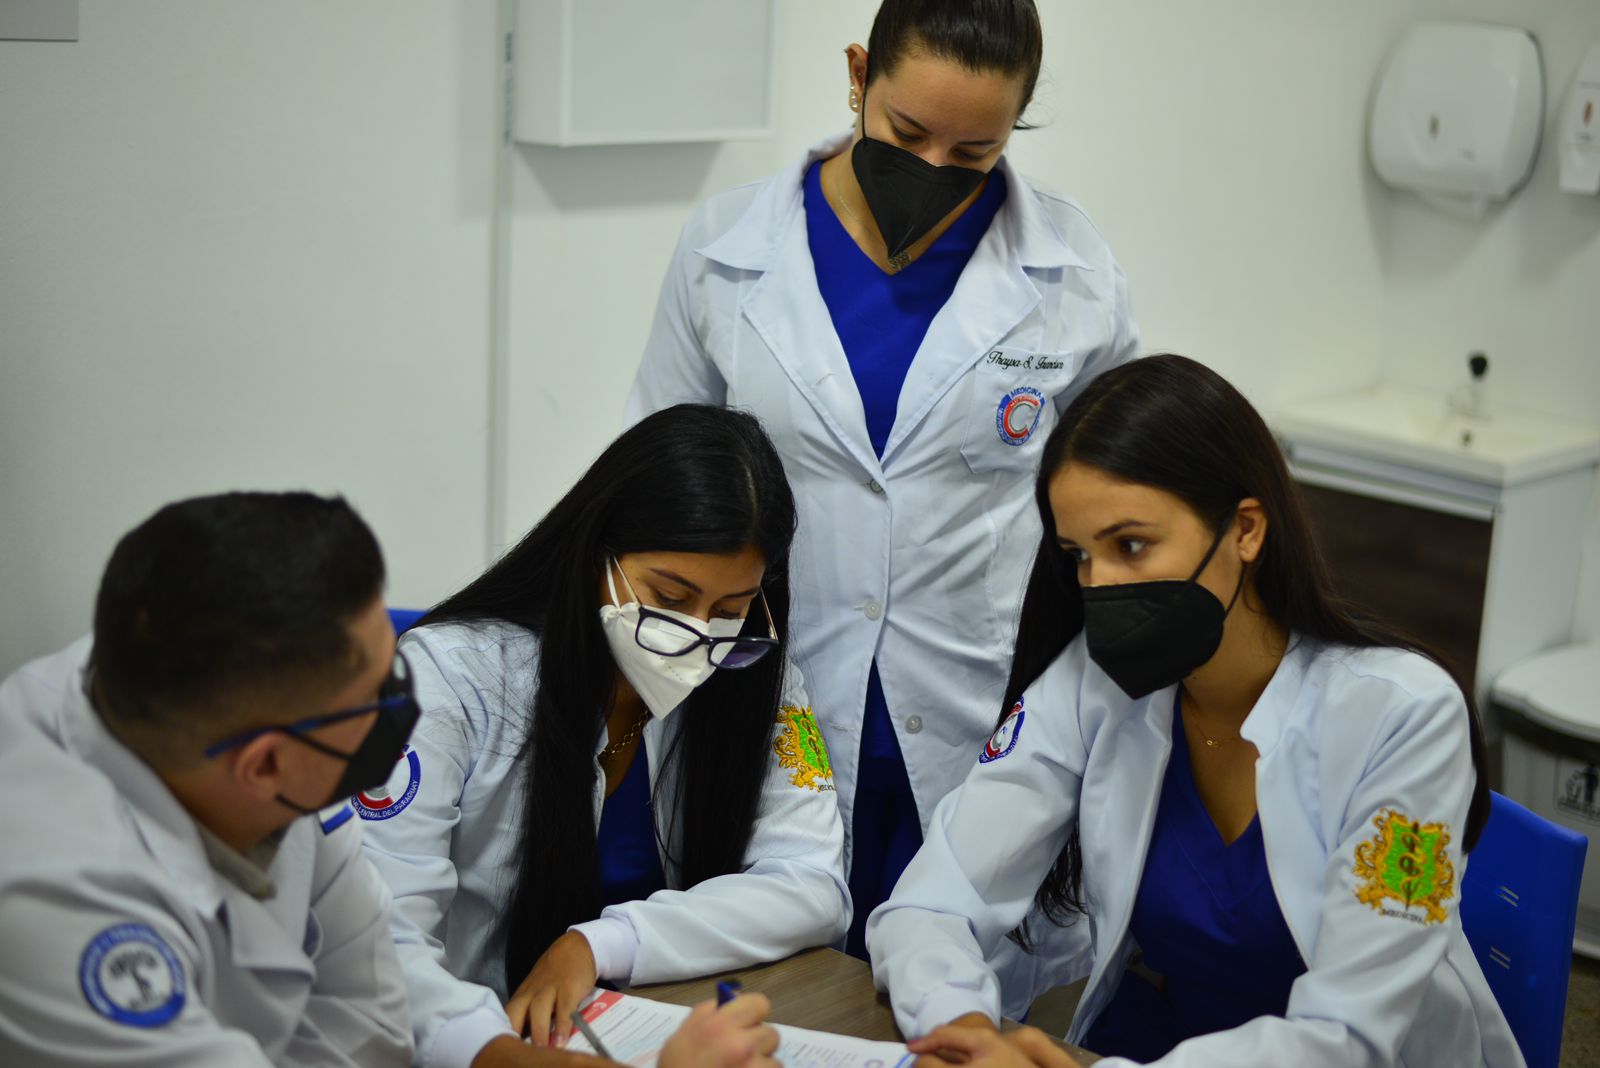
[
  {"x": 913, "y": 724},
  {"x": 872, "y": 609},
  {"x": 875, "y": 487}
]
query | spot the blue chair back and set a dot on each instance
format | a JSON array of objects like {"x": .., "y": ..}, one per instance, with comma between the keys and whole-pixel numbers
[
  {"x": 1519, "y": 907},
  {"x": 405, "y": 618}
]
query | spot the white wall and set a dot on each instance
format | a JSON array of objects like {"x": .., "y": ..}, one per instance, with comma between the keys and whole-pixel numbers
[
  {"x": 1522, "y": 285},
  {"x": 1221, "y": 156},
  {"x": 242, "y": 245}
]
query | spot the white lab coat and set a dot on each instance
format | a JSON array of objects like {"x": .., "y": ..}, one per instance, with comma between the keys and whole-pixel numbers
[
  {"x": 121, "y": 945},
  {"x": 449, "y": 852},
  {"x": 918, "y": 559},
  {"x": 1343, "y": 735}
]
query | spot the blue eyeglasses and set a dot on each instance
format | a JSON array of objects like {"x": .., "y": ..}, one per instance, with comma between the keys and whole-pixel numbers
[{"x": 396, "y": 697}]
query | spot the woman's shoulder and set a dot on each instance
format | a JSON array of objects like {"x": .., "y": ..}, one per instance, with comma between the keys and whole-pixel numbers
[
  {"x": 763, "y": 205},
  {"x": 477, "y": 655},
  {"x": 1365, "y": 694},
  {"x": 1378, "y": 670}
]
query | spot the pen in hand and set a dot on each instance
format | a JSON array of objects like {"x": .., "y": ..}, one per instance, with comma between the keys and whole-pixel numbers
[
  {"x": 587, "y": 1032},
  {"x": 727, "y": 990}
]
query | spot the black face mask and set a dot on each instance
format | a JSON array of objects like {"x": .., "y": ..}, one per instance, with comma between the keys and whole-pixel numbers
[
  {"x": 370, "y": 765},
  {"x": 1149, "y": 635},
  {"x": 906, "y": 194}
]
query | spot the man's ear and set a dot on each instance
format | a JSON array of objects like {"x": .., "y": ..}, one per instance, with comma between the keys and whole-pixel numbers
[{"x": 257, "y": 766}]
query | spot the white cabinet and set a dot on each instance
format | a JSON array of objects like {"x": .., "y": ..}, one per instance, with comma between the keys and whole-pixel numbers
[
  {"x": 1466, "y": 532},
  {"x": 623, "y": 72}
]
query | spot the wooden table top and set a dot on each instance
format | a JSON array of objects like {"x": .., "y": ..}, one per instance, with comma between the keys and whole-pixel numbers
[{"x": 820, "y": 989}]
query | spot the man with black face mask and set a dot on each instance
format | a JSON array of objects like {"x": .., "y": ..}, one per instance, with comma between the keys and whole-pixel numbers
[{"x": 164, "y": 897}]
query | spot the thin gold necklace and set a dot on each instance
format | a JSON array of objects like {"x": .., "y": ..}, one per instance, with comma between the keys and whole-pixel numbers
[
  {"x": 897, "y": 263},
  {"x": 1210, "y": 744},
  {"x": 627, "y": 736}
]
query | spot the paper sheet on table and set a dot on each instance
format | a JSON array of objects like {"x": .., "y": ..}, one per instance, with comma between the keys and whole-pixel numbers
[{"x": 634, "y": 1030}]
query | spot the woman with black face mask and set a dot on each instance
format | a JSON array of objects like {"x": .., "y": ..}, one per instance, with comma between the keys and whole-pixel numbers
[
  {"x": 907, "y": 314},
  {"x": 1266, "y": 793}
]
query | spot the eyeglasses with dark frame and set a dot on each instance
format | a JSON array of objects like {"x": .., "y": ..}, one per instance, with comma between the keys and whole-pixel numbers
[
  {"x": 677, "y": 638},
  {"x": 395, "y": 695}
]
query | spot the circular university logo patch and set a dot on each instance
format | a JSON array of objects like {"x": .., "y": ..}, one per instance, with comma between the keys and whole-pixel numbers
[
  {"x": 130, "y": 975},
  {"x": 1004, "y": 738},
  {"x": 390, "y": 799},
  {"x": 1017, "y": 415}
]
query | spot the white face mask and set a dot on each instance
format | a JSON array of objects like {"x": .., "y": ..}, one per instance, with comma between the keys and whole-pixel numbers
[{"x": 664, "y": 682}]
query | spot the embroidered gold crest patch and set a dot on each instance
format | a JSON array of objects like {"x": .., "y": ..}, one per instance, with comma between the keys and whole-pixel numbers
[
  {"x": 801, "y": 750},
  {"x": 1405, "y": 868}
]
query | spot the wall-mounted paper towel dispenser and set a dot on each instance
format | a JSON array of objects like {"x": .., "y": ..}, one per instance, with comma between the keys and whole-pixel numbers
[{"x": 1458, "y": 113}]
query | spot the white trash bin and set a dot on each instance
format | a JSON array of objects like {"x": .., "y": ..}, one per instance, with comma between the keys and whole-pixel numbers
[{"x": 1549, "y": 705}]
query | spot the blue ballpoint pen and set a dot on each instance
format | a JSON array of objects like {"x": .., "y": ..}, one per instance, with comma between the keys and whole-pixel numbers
[{"x": 727, "y": 990}]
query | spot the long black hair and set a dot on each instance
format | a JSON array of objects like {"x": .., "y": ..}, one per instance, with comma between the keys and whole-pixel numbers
[
  {"x": 690, "y": 478},
  {"x": 1174, "y": 424},
  {"x": 981, "y": 35}
]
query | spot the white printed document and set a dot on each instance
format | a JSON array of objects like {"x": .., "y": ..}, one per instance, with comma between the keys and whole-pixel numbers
[{"x": 634, "y": 1029}]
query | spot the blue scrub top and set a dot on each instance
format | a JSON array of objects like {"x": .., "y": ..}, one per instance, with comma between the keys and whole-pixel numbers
[
  {"x": 881, "y": 320},
  {"x": 1207, "y": 921},
  {"x": 630, "y": 865}
]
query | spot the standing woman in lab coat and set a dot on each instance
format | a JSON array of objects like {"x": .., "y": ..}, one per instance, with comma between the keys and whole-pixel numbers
[
  {"x": 1268, "y": 795},
  {"x": 906, "y": 313},
  {"x": 617, "y": 774}
]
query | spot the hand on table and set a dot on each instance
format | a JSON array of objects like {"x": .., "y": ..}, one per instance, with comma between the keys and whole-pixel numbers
[
  {"x": 964, "y": 1041},
  {"x": 562, "y": 977},
  {"x": 729, "y": 1036}
]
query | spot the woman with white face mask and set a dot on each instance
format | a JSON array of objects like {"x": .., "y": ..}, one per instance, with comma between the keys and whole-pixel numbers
[
  {"x": 1268, "y": 794},
  {"x": 617, "y": 774},
  {"x": 906, "y": 312}
]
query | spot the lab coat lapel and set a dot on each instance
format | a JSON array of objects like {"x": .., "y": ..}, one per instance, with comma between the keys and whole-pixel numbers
[
  {"x": 278, "y": 934},
  {"x": 991, "y": 303},
  {"x": 1133, "y": 771},
  {"x": 991, "y": 299},
  {"x": 1288, "y": 847},
  {"x": 786, "y": 310}
]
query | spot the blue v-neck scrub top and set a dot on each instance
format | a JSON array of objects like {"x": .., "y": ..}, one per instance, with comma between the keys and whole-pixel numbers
[
  {"x": 1207, "y": 921},
  {"x": 881, "y": 320},
  {"x": 630, "y": 865}
]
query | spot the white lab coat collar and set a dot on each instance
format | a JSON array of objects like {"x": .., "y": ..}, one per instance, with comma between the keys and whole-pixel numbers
[
  {"x": 1264, "y": 726},
  {"x": 1145, "y": 761},
  {"x": 755, "y": 241},
  {"x": 257, "y": 929},
  {"x": 168, "y": 830}
]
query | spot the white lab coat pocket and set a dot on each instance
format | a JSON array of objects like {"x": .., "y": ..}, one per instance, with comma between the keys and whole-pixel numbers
[{"x": 1010, "y": 410}]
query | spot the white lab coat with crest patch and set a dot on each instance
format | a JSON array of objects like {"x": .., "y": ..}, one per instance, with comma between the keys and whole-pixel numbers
[
  {"x": 445, "y": 835},
  {"x": 98, "y": 853},
  {"x": 1350, "y": 741},
  {"x": 917, "y": 559}
]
